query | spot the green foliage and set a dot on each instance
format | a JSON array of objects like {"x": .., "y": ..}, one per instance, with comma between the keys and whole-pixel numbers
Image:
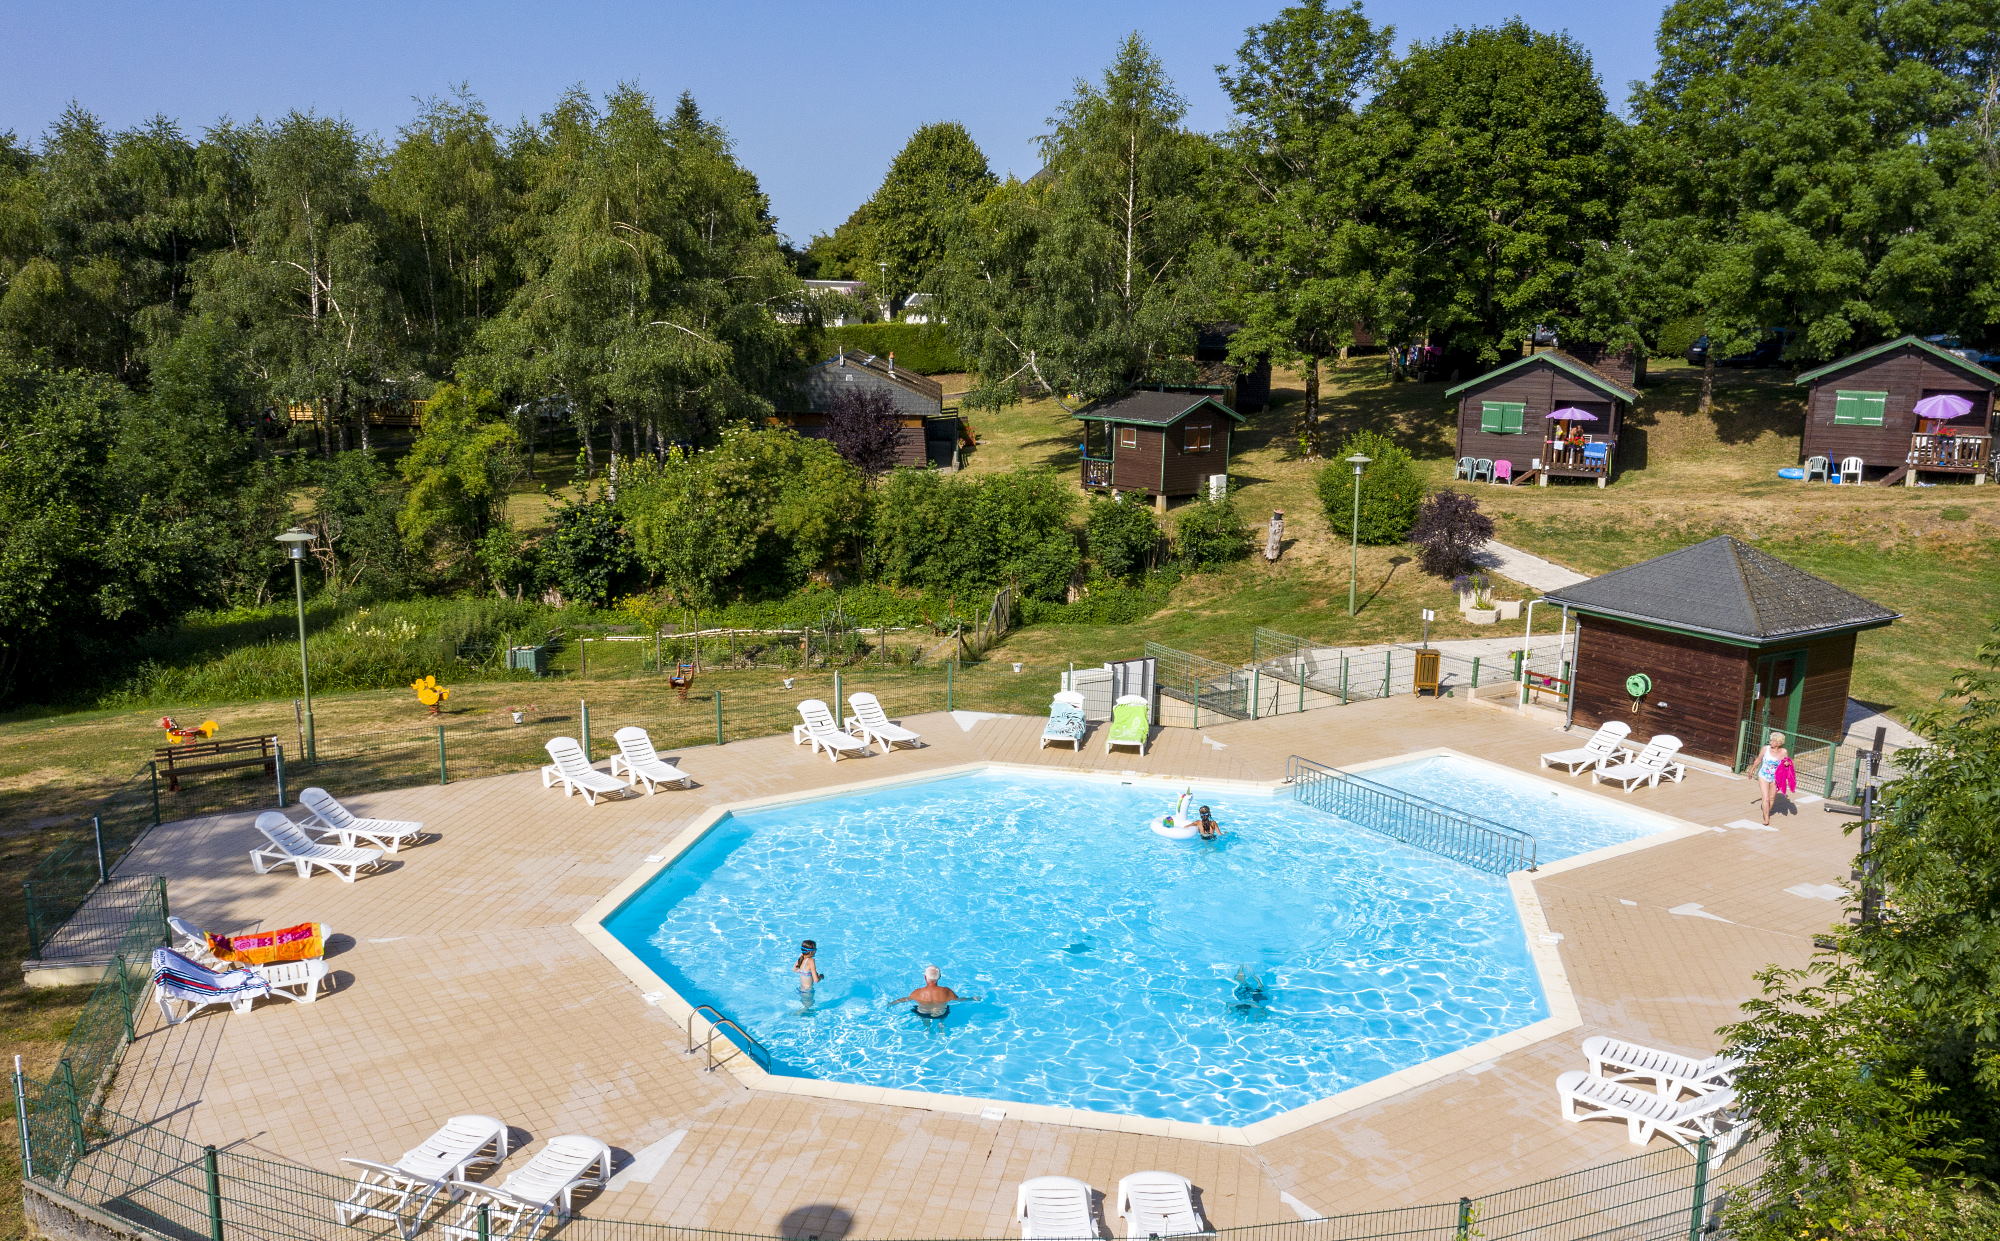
[
  {"x": 944, "y": 532},
  {"x": 920, "y": 208},
  {"x": 1105, "y": 603},
  {"x": 356, "y": 500},
  {"x": 1121, "y": 536},
  {"x": 587, "y": 555},
  {"x": 1391, "y": 490},
  {"x": 1211, "y": 534},
  {"x": 458, "y": 471},
  {"x": 926, "y": 348}
]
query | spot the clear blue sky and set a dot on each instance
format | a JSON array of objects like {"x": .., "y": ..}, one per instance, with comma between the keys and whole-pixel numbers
[{"x": 818, "y": 97}]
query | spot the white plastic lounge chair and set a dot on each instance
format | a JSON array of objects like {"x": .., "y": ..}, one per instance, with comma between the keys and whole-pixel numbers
[
  {"x": 177, "y": 980},
  {"x": 1585, "y": 1097},
  {"x": 820, "y": 730},
  {"x": 1600, "y": 748},
  {"x": 295, "y": 980},
  {"x": 544, "y": 1186},
  {"x": 870, "y": 723},
  {"x": 1615, "y": 1060},
  {"x": 1066, "y": 721},
  {"x": 1159, "y": 1204},
  {"x": 575, "y": 772},
  {"x": 290, "y": 846},
  {"x": 1647, "y": 766},
  {"x": 642, "y": 764},
  {"x": 329, "y": 818},
  {"x": 1815, "y": 467},
  {"x": 190, "y": 940},
  {"x": 1055, "y": 1208},
  {"x": 402, "y": 1191},
  {"x": 1850, "y": 469},
  {"x": 1131, "y": 724}
]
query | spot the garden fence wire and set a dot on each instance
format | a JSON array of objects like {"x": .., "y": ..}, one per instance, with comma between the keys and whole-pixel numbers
[
  {"x": 58, "y": 885},
  {"x": 1834, "y": 769}
]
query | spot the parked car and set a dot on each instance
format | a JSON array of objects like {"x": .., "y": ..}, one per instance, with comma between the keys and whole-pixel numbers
[
  {"x": 1767, "y": 352},
  {"x": 1544, "y": 338},
  {"x": 1971, "y": 353}
]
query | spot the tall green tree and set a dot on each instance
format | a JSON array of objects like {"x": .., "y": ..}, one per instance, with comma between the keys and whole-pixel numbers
[
  {"x": 458, "y": 470},
  {"x": 1293, "y": 173},
  {"x": 920, "y": 208},
  {"x": 1491, "y": 179}
]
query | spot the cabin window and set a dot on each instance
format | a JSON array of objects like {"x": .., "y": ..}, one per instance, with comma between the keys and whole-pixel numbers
[
  {"x": 1128, "y": 437},
  {"x": 1859, "y": 409},
  {"x": 1501, "y": 417},
  {"x": 1197, "y": 439}
]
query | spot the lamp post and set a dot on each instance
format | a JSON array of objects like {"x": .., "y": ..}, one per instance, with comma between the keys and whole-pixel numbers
[
  {"x": 1354, "y": 532},
  {"x": 295, "y": 541}
]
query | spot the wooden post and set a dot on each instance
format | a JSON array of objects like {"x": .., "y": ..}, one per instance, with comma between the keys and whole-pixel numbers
[{"x": 582, "y": 658}]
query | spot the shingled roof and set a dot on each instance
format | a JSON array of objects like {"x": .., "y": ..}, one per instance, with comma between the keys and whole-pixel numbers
[
  {"x": 1158, "y": 409},
  {"x": 1582, "y": 371},
  {"x": 1727, "y": 589}
]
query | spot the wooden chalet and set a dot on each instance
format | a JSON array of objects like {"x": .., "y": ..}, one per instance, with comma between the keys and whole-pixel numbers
[
  {"x": 1503, "y": 415},
  {"x": 1158, "y": 442},
  {"x": 1717, "y": 643},
  {"x": 1864, "y": 406},
  {"x": 929, "y": 435}
]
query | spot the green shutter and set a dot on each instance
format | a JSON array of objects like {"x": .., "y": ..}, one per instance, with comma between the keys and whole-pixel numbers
[
  {"x": 1859, "y": 409},
  {"x": 1501, "y": 417}
]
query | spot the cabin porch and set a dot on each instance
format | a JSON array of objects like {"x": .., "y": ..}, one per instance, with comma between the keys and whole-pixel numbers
[
  {"x": 1950, "y": 452},
  {"x": 1585, "y": 456}
]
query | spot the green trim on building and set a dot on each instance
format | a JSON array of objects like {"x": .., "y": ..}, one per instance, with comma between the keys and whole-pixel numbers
[
  {"x": 1949, "y": 359},
  {"x": 1569, "y": 366}
]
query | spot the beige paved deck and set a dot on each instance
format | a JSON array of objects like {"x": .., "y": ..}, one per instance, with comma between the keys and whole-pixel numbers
[{"x": 462, "y": 987}]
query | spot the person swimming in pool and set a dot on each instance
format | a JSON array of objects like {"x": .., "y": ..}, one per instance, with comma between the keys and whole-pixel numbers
[
  {"x": 1210, "y": 829},
  {"x": 934, "y": 999},
  {"x": 807, "y": 966}
]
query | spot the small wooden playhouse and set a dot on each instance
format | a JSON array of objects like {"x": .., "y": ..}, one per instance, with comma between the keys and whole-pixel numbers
[
  {"x": 1863, "y": 409},
  {"x": 1504, "y": 417},
  {"x": 1161, "y": 443}
]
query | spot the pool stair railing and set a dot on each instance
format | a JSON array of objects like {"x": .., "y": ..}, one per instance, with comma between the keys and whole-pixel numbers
[
  {"x": 1445, "y": 830},
  {"x": 718, "y": 1023}
]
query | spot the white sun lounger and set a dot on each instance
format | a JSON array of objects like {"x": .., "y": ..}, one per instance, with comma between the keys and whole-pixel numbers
[
  {"x": 402, "y": 1191},
  {"x": 1647, "y": 766},
  {"x": 1600, "y": 748},
  {"x": 542, "y": 1188},
  {"x": 818, "y": 728},
  {"x": 1615, "y": 1060},
  {"x": 575, "y": 772},
  {"x": 1586, "y": 1097},
  {"x": 290, "y": 846},
  {"x": 295, "y": 980},
  {"x": 870, "y": 723},
  {"x": 642, "y": 764},
  {"x": 1066, "y": 721},
  {"x": 178, "y": 980},
  {"x": 329, "y": 818},
  {"x": 1159, "y": 1204},
  {"x": 1055, "y": 1208}
]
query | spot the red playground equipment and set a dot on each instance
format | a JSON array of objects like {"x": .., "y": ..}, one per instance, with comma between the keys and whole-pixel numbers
[{"x": 181, "y": 736}]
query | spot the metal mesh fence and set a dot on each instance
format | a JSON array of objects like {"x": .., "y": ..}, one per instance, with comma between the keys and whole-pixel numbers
[
  {"x": 1289, "y": 673},
  {"x": 60, "y": 883},
  {"x": 1830, "y": 768}
]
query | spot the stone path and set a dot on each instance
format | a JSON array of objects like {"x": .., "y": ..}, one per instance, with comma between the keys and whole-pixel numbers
[{"x": 1526, "y": 568}]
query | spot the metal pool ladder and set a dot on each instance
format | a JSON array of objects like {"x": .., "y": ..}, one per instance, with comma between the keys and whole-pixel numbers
[
  {"x": 1446, "y": 830},
  {"x": 716, "y": 1021}
]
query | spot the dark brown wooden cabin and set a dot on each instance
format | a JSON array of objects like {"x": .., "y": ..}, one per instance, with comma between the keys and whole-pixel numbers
[
  {"x": 1161, "y": 443},
  {"x": 1503, "y": 415},
  {"x": 1864, "y": 406},
  {"x": 1732, "y": 643},
  {"x": 929, "y": 435}
]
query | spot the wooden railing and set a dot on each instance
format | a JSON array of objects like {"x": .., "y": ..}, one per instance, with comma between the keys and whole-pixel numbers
[
  {"x": 1096, "y": 473},
  {"x": 1938, "y": 451},
  {"x": 1559, "y": 457}
]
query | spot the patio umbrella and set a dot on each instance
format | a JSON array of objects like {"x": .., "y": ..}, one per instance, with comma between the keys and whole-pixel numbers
[
  {"x": 1940, "y": 408},
  {"x": 1570, "y": 413}
]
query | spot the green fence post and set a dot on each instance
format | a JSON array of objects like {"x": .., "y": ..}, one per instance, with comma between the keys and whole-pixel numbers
[
  {"x": 1388, "y": 662},
  {"x": 1256, "y": 693},
  {"x": 1700, "y": 1206},
  {"x": 718, "y": 717},
  {"x": 97, "y": 836},
  {"x": 1832, "y": 757},
  {"x": 278, "y": 773},
  {"x": 1464, "y": 1219},
  {"x": 1343, "y": 680},
  {"x": 34, "y": 930},
  {"x": 75, "y": 1112},
  {"x": 836, "y": 699},
  {"x": 213, "y": 1173},
  {"x": 1742, "y": 729},
  {"x": 485, "y": 1222},
  {"x": 951, "y": 665},
  {"x": 1302, "y": 687},
  {"x": 153, "y": 774},
  {"x": 583, "y": 712},
  {"x": 443, "y": 777},
  {"x": 125, "y": 997},
  {"x": 21, "y": 1122},
  {"x": 1475, "y": 672}
]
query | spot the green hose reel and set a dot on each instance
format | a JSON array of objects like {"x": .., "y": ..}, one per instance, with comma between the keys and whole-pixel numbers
[{"x": 1638, "y": 685}]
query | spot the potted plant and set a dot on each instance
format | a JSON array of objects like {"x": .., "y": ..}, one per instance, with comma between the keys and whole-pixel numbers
[
  {"x": 1462, "y": 585},
  {"x": 1509, "y": 609},
  {"x": 1481, "y": 610}
]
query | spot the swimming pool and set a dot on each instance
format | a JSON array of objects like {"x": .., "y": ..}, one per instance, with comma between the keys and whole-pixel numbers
[{"x": 1118, "y": 970}]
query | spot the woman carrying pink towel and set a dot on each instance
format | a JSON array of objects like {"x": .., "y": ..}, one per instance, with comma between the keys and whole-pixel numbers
[{"x": 1775, "y": 772}]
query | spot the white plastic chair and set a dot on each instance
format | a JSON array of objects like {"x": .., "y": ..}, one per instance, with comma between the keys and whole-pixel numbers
[
  {"x": 402, "y": 1191},
  {"x": 1055, "y": 1208},
  {"x": 289, "y": 846},
  {"x": 542, "y": 1188},
  {"x": 1159, "y": 1204},
  {"x": 1598, "y": 749},
  {"x": 329, "y": 818},
  {"x": 819, "y": 729},
  {"x": 1463, "y": 469},
  {"x": 1646, "y": 767},
  {"x": 1585, "y": 1097},
  {"x": 1615, "y": 1060},
  {"x": 870, "y": 723},
  {"x": 642, "y": 763},
  {"x": 1816, "y": 467},
  {"x": 1482, "y": 470},
  {"x": 177, "y": 980},
  {"x": 575, "y": 772},
  {"x": 1850, "y": 469}
]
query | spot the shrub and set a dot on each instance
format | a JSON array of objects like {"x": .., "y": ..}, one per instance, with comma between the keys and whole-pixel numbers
[
  {"x": 1391, "y": 489},
  {"x": 862, "y": 426},
  {"x": 588, "y": 552},
  {"x": 1105, "y": 603},
  {"x": 922, "y": 347},
  {"x": 1211, "y": 533},
  {"x": 1120, "y": 536},
  {"x": 950, "y": 532},
  {"x": 1449, "y": 530}
]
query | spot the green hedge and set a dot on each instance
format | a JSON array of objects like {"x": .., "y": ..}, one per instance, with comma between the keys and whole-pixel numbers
[{"x": 922, "y": 347}]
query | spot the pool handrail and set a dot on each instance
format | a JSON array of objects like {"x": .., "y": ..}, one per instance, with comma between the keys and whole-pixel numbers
[
  {"x": 1508, "y": 848},
  {"x": 716, "y": 1021}
]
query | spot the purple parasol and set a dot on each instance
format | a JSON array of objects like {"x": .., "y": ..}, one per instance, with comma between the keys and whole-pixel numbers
[
  {"x": 1570, "y": 413},
  {"x": 1943, "y": 407}
]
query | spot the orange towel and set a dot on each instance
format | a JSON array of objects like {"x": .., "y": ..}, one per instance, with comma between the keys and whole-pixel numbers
[{"x": 295, "y": 943}]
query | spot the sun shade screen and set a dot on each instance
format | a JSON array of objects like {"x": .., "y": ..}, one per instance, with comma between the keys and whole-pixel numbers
[
  {"x": 1859, "y": 409},
  {"x": 1501, "y": 417}
]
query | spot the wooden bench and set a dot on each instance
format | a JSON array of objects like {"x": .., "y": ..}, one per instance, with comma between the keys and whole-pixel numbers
[{"x": 176, "y": 761}]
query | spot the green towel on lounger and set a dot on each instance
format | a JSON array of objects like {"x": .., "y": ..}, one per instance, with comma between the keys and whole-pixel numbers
[{"x": 1129, "y": 722}]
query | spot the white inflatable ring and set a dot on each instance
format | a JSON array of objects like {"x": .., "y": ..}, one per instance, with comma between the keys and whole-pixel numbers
[{"x": 1166, "y": 826}]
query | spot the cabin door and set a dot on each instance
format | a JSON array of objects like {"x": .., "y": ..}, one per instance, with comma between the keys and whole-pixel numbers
[{"x": 1778, "y": 690}]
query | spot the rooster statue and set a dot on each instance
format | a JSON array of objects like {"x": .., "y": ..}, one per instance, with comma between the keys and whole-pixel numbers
[
  {"x": 430, "y": 693},
  {"x": 181, "y": 736}
]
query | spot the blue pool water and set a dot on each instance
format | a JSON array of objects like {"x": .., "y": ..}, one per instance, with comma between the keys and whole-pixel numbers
[{"x": 1106, "y": 956}]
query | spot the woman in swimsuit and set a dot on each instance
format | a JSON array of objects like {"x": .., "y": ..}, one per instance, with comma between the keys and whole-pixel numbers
[
  {"x": 1768, "y": 760},
  {"x": 1210, "y": 829},
  {"x": 806, "y": 967}
]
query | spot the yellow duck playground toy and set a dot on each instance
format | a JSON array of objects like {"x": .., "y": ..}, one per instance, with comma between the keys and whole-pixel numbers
[{"x": 430, "y": 693}]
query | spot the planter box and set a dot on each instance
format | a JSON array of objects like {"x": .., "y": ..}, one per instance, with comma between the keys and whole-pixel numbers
[
  {"x": 1509, "y": 609},
  {"x": 1482, "y": 616}
]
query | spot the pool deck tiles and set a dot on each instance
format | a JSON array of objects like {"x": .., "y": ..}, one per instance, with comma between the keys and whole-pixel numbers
[{"x": 461, "y": 985}]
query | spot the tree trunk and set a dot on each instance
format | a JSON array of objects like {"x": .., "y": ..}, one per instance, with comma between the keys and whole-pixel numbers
[
  {"x": 1309, "y": 416},
  {"x": 1707, "y": 402}
]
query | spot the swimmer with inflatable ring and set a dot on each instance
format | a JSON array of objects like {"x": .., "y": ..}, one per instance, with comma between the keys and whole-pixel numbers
[
  {"x": 1180, "y": 824},
  {"x": 933, "y": 1000}
]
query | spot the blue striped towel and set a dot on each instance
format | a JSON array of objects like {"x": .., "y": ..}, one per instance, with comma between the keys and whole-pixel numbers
[
  {"x": 1065, "y": 722},
  {"x": 181, "y": 979}
]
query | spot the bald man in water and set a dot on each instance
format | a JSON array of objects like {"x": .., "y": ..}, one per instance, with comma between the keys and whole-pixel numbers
[{"x": 933, "y": 999}]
